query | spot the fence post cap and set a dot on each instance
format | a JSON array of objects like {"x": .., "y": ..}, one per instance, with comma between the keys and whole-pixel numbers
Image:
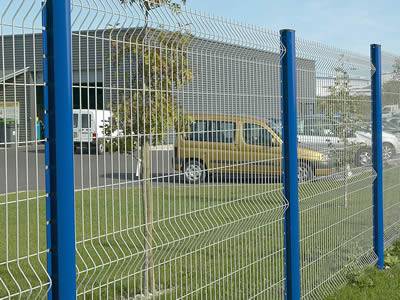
[{"x": 287, "y": 30}]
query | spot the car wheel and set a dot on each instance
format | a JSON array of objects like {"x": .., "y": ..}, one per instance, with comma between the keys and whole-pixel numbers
[
  {"x": 364, "y": 157},
  {"x": 194, "y": 171},
  {"x": 388, "y": 151},
  {"x": 304, "y": 172},
  {"x": 100, "y": 148}
]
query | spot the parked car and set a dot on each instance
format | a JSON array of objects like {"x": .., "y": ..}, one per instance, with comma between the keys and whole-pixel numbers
[
  {"x": 393, "y": 121},
  {"x": 89, "y": 127},
  {"x": 322, "y": 132},
  {"x": 221, "y": 144},
  {"x": 391, "y": 128},
  {"x": 390, "y": 110}
]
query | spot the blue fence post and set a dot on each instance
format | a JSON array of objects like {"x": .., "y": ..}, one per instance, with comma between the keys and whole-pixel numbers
[
  {"x": 290, "y": 181},
  {"x": 57, "y": 75},
  {"x": 377, "y": 157}
]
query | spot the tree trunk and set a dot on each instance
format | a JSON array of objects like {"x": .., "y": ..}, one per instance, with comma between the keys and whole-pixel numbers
[
  {"x": 147, "y": 196},
  {"x": 346, "y": 193},
  {"x": 346, "y": 168}
]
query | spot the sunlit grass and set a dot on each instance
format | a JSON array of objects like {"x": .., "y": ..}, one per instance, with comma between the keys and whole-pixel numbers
[
  {"x": 372, "y": 283},
  {"x": 224, "y": 240}
]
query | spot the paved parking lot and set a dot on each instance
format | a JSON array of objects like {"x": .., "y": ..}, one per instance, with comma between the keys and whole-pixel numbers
[{"x": 25, "y": 168}]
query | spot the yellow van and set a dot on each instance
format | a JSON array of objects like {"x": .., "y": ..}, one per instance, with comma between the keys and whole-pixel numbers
[{"x": 224, "y": 145}]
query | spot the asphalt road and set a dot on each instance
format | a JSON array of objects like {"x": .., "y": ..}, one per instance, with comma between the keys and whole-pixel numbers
[{"x": 23, "y": 169}]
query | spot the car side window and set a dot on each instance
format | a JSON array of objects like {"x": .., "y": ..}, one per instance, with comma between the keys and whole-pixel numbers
[
  {"x": 312, "y": 128},
  {"x": 86, "y": 120},
  {"x": 318, "y": 127},
  {"x": 300, "y": 127},
  {"x": 198, "y": 131},
  {"x": 256, "y": 135},
  {"x": 212, "y": 131},
  {"x": 76, "y": 120},
  {"x": 221, "y": 132}
]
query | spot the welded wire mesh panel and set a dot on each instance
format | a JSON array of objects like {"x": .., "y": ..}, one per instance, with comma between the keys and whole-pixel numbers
[
  {"x": 391, "y": 126},
  {"x": 178, "y": 151},
  {"x": 22, "y": 199},
  {"x": 334, "y": 134}
]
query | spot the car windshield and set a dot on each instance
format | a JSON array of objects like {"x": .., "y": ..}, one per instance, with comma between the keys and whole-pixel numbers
[
  {"x": 386, "y": 110},
  {"x": 391, "y": 124},
  {"x": 309, "y": 125},
  {"x": 275, "y": 125}
]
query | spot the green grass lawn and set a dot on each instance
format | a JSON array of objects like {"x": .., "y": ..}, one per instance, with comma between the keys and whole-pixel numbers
[
  {"x": 213, "y": 240},
  {"x": 374, "y": 284},
  {"x": 201, "y": 240}
]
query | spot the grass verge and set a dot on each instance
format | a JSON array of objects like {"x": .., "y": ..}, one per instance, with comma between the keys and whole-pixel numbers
[
  {"x": 220, "y": 241},
  {"x": 374, "y": 284}
]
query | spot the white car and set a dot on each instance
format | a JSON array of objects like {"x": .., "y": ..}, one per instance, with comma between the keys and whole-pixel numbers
[
  {"x": 89, "y": 127},
  {"x": 317, "y": 132},
  {"x": 390, "y": 110},
  {"x": 391, "y": 144}
]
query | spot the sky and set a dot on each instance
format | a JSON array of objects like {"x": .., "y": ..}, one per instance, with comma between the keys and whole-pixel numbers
[
  {"x": 347, "y": 24},
  {"x": 351, "y": 24}
]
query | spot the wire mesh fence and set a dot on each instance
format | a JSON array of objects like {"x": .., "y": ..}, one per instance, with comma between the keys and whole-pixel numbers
[
  {"x": 184, "y": 202},
  {"x": 178, "y": 155},
  {"x": 23, "y": 247},
  {"x": 336, "y": 209},
  {"x": 390, "y": 116}
]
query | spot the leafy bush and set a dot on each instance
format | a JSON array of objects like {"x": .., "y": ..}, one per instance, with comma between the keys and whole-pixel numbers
[{"x": 392, "y": 256}]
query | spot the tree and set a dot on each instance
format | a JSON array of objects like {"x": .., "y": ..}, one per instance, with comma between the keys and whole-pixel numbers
[
  {"x": 159, "y": 68},
  {"x": 148, "y": 5},
  {"x": 343, "y": 110},
  {"x": 391, "y": 92},
  {"x": 339, "y": 104},
  {"x": 391, "y": 88},
  {"x": 396, "y": 69}
]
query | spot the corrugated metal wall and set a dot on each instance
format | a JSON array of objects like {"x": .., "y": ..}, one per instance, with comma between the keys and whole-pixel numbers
[{"x": 248, "y": 72}]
